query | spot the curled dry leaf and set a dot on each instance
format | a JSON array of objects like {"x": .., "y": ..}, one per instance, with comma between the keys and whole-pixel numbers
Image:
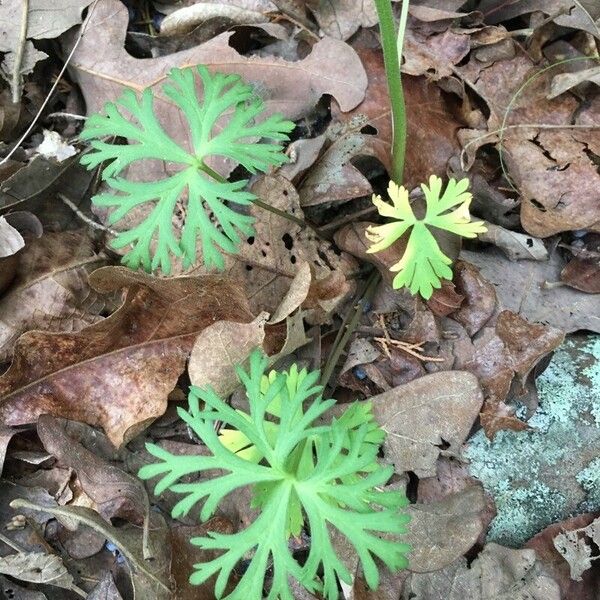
[
  {"x": 50, "y": 290},
  {"x": 498, "y": 572},
  {"x": 525, "y": 287},
  {"x": 441, "y": 532},
  {"x": 114, "y": 492},
  {"x": 187, "y": 18},
  {"x": 150, "y": 579},
  {"x": 426, "y": 417},
  {"x": 117, "y": 373},
  {"x": 516, "y": 246}
]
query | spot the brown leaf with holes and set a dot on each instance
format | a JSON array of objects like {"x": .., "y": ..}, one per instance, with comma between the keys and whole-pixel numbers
[
  {"x": 269, "y": 261},
  {"x": 554, "y": 562},
  {"x": 50, "y": 290},
  {"x": 117, "y": 373}
]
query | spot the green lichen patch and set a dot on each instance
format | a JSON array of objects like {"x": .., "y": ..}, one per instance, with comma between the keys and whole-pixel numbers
[{"x": 552, "y": 471}]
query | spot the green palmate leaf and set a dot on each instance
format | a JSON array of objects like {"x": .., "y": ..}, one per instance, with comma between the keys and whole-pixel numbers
[
  {"x": 423, "y": 264},
  {"x": 320, "y": 475},
  {"x": 223, "y": 124}
]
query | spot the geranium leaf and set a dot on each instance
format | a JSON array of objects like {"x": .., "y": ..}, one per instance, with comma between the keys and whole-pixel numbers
[
  {"x": 423, "y": 264},
  {"x": 321, "y": 474},
  {"x": 228, "y": 102}
]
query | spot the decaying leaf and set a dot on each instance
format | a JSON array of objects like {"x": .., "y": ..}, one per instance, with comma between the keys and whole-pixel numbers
[
  {"x": 114, "y": 492},
  {"x": 105, "y": 590},
  {"x": 576, "y": 547},
  {"x": 516, "y": 246},
  {"x": 525, "y": 287},
  {"x": 498, "y": 572},
  {"x": 11, "y": 241},
  {"x": 50, "y": 290},
  {"x": 268, "y": 262},
  {"x": 543, "y": 544},
  {"x": 341, "y": 18},
  {"x": 509, "y": 349},
  {"x": 426, "y": 417},
  {"x": 150, "y": 578},
  {"x": 117, "y": 373},
  {"x": 39, "y": 567},
  {"x": 441, "y": 532}
]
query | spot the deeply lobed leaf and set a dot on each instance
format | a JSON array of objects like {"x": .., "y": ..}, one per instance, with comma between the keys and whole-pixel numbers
[
  {"x": 228, "y": 104},
  {"x": 423, "y": 264},
  {"x": 299, "y": 471}
]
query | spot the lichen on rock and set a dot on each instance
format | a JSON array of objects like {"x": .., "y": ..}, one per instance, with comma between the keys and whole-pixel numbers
[{"x": 551, "y": 471}]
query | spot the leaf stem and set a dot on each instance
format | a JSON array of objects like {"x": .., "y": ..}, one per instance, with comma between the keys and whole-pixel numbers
[
  {"x": 392, "y": 49},
  {"x": 348, "y": 326},
  {"x": 257, "y": 201}
]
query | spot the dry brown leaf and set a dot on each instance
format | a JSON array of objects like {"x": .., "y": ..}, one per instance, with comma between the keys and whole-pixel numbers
[
  {"x": 291, "y": 88},
  {"x": 296, "y": 294},
  {"x": 105, "y": 590},
  {"x": 8, "y": 587},
  {"x": 583, "y": 271},
  {"x": 114, "y": 492},
  {"x": 51, "y": 291},
  {"x": 442, "y": 531},
  {"x": 269, "y": 261},
  {"x": 521, "y": 287},
  {"x": 497, "y": 573},
  {"x": 426, "y": 417},
  {"x": 187, "y": 18},
  {"x": 542, "y": 543},
  {"x": 117, "y": 373},
  {"x": 500, "y": 354},
  {"x": 342, "y": 18},
  {"x": 220, "y": 348},
  {"x": 150, "y": 579},
  {"x": 516, "y": 246},
  {"x": 554, "y": 170},
  {"x": 432, "y": 124}
]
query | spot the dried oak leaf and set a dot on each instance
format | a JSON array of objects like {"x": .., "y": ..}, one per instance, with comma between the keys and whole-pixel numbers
[
  {"x": 117, "y": 373},
  {"x": 290, "y": 88},
  {"x": 50, "y": 290},
  {"x": 508, "y": 350},
  {"x": 582, "y": 272},
  {"x": 554, "y": 170},
  {"x": 497, "y": 572},
  {"x": 426, "y": 417},
  {"x": 521, "y": 287}
]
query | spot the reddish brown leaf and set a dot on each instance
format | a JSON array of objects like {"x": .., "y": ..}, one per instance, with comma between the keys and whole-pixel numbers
[
  {"x": 117, "y": 373},
  {"x": 445, "y": 300},
  {"x": 587, "y": 589},
  {"x": 432, "y": 124},
  {"x": 500, "y": 354}
]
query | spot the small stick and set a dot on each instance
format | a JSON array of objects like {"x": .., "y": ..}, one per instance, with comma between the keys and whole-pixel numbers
[
  {"x": 409, "y": 349},
  {"x": 83, "y": 217},
  {"x": 16, "y": 74}
]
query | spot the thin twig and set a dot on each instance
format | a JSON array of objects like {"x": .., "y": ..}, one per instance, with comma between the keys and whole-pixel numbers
[
  {"x": 412, "y": 349},
  {"x": 66, "y": 115},
  {"x": 16, "y": 74},
  {"x": 85, "y": 218},
  {"x": 54, "y": 86}
]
